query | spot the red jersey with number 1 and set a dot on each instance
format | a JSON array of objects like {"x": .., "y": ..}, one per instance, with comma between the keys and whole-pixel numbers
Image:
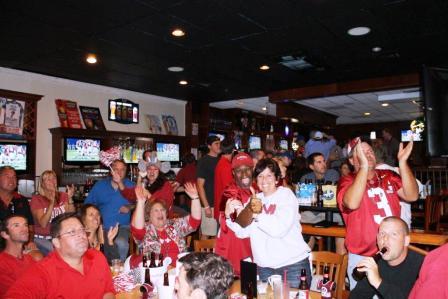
[{"x": 379, "y": 201}]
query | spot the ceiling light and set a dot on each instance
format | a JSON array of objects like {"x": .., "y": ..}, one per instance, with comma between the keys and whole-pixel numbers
[
  {"x": 400, "y": 96},
  {"x": 264, "y": 108},
  {"x": 366, "y": 113},
  {"x": 91, "y": 58},
  {"x": 175, "y": 69},
  {"x": 294, "y": 120},
  {"x": 385, "y": 104},
  {"x": 376, "y": 49},
  {"x": 358, "y": 31},
  {"x": 264, "y": 67},
  {"x": 178, "y": 32},
  {"x": 183, "y": 82}
]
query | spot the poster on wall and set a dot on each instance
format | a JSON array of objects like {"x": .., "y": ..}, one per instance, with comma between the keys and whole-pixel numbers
[
  {"x": 154, "y": 124},
  {"x": 170, "y": 125},
  {"x": 68, "y": 114},
  {"x": 92, "y": 118},
  {"x": 12, "y": 113}
]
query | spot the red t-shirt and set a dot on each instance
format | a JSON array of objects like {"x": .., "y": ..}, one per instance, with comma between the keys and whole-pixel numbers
[
  {"x": 40, "y": 202},
  {"x": 223, "y": 177},
  {"x": 380, "y": 200},
  {"x": 11, "y": 268},
  {"x": 228, "y": 245},
  {"x": 165, "y": 193},
  {"x": 187, "y": 174}
]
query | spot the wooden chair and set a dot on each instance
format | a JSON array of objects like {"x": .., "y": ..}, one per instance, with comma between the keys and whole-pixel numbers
[
  {"x": 204, "y": 245},
  {"x": 337, "y": 264},
  {"x": 433, "y": 206},
  {"x": 418, "y": 250}
]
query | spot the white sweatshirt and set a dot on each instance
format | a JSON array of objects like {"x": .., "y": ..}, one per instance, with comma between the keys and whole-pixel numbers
[{"x": 276, "y": 234}]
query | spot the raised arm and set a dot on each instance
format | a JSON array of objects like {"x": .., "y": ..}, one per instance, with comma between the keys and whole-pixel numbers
[
  {"x": 138, "y": 218},
  {"x": 353, "y": 196},
  {"x": 192, "y": 192},
  {"x": 409, "y": 189}
]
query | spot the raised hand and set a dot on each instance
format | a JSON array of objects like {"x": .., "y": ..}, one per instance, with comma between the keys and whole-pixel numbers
[
  {"x": 141, "y": 193},
  {"x": 405, "y": 152},
  {"x": 359, "y": 153},
  {"x": 111, "y": 234},
  {"x": 191, "y": 190},
  {"x": 232, "y": 205}
]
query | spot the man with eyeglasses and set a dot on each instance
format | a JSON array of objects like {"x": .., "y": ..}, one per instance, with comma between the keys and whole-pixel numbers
[{"x": 72, "y": 270}]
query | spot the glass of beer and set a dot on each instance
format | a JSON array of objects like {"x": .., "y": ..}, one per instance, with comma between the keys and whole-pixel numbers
[{"x": 255, "y": 204}]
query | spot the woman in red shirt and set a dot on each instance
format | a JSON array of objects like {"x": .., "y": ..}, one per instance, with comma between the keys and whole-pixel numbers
[{"x": 46, "y": 205}]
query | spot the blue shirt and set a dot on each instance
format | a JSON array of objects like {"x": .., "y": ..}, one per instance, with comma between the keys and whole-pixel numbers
[
  {"x": 319, "y": 146},
  {"x": 109, "y": 201}
]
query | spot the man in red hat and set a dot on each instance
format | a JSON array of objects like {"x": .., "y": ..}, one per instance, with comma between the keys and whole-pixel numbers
[
  {"x": 235, "y": 195},
  {"x": 368, "y": 196}
]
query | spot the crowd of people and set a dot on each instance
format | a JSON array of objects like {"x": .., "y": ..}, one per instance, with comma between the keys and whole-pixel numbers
[{"x": 245, "y": 201}]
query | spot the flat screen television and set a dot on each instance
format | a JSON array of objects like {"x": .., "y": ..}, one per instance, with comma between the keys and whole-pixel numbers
[
  {"x": 81, "y": 151},
  {"x": 14, "y": 155},
  {"x": 435, "y": 96},
  {"x": 406, "y": 136},
  {"x": 221, "y": 136},
  {"x": 168, "y": 151},
  {"x": 254, "y": 142},
  {"x": 284, "y": 144}
]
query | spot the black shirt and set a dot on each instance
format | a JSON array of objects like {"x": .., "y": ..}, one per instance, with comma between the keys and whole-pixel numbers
[
  {"x": 19, "y": 205},
  {"x": 206, "y": 170},
  {"x": 397, "y": 281}
]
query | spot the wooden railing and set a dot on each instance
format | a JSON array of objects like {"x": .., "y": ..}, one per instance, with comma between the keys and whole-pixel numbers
[
  {"x": 438, "y": 177},
  {"x": 417, "y": 237}
]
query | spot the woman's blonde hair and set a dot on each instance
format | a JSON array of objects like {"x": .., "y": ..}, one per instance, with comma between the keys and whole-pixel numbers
[{"x": 41, "y": 189}]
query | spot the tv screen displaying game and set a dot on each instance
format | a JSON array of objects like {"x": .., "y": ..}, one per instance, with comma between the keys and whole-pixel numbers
[
  {"x": 14, "y": 155},
  {"x": 168, "y": 152},
  {"x": 254, "y": 142},
  {"x": 82, "y": 150}
]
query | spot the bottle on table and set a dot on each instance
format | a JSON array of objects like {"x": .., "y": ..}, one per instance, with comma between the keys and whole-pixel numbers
[
  {"x": 326, "y": 288},
  {"x": 166, "y": 281},
  {"x": 304, "y": 288},
  {"x": 144, "y": 259},
  {"x": 320, "y": 194},
  {"x": 152, "y": 263},
  {"x": 147, "y": 286},
  {"x": 160, "y": 264}
]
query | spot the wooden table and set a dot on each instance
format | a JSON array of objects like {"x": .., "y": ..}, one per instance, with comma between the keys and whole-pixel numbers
[{"x": 417, "y": 237}]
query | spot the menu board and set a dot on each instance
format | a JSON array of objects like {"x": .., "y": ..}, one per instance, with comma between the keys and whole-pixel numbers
[
  {"x": 92, "y": 118},
  {"x": 68, "y": 114},
  {"x": 123, "y": 111}
]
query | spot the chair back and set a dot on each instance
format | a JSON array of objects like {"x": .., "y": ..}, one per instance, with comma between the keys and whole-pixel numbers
[
  {"x": 336, "y": 263},
  {"x": 204, "y": 245},
  {"x": 433, "y": 206}
]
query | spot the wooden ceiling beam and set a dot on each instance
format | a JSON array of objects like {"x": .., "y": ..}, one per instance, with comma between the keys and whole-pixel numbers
[{"x": 343, "y": 88}]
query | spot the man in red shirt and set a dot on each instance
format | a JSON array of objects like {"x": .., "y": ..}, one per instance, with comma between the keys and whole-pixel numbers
[
  {"x": 368, "y": 195},
  {"x": 13, "y": 262},
  {"x": 223, "y": 173},
  {"x": 70, "y": 271},
  {"x": 238, "y": 193}
]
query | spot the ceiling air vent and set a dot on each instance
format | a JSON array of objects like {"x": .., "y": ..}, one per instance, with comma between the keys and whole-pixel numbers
[{"x": 295, "y": 63}]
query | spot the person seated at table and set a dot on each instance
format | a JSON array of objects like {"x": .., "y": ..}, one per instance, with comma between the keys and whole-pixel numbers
[
  {"x": 160, "y": 234},
  {"x": 14, "y": 234},
  {"x": 320, "y": 172},
  {"x": 203, "y": 275},
  {"x": 156, "y": 184},
  {"x": 431, "y": 282},
  {"x": 397, "y": 271},
  {"x": 273, "y": 225},
  {"x": 91, "y": 218},
  {"x": 72, "y": 270},
  {"x": 46, "y": 205},
  {"x": 369, "y": 195}
]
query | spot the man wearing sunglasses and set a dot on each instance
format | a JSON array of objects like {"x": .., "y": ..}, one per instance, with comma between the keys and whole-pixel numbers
[{"x": 72, "y": 270}]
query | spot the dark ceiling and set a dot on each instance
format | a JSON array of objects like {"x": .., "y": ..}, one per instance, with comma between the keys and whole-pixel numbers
[{"x": 225, "y": 43}]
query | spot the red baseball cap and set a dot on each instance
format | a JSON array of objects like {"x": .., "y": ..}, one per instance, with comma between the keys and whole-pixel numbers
[{"x": 242, "y": 159}]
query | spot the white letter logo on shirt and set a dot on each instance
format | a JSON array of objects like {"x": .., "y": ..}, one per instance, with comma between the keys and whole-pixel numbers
[{"x": 382, "y": 204}]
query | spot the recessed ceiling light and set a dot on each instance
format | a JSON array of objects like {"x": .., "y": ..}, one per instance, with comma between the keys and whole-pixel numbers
[
  {"x": 366, "y": 113},
  {"x": 385, "y": 104},
  {"x": 358, "y": 31},
  {"x": 264, "y": 108},
  {"x": 376, "y": 49},
  {"x": 294, "y": 120},
  {"x": 264, "y": 67},
  {"x": 176, "y": 69},
  {"x": 183, "y": 82},
  {"x": 91, "y": 58},
  {"x": 178, "y": 32}
]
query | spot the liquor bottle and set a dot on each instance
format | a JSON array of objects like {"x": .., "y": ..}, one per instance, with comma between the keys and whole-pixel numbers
[
  {"x": 166, "y": 281},
  {"x": 144, "y": 260},
  {"x": 325, "y": 291},
  {"x": 147, "y": 287},
  {"x": 152, "y": 263},
  {"x": 360, "y": 275},
  {"x": 320, "y": 194},
  {"x": 304, "y": 289},
  {"x": 160, "y": 264}
]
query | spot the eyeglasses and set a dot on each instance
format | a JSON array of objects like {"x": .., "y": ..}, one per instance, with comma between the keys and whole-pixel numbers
[{"x": 73, "y": 233}]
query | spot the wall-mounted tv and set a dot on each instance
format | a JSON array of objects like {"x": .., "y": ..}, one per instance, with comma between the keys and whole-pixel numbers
[
  {"x": 254, "y": 142},
  {"x": 14, "y": 155},
  {"x": 82, "y": 150},
  {"x": 168, "y": 151},
  {"x": 284, "y": 144}
]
